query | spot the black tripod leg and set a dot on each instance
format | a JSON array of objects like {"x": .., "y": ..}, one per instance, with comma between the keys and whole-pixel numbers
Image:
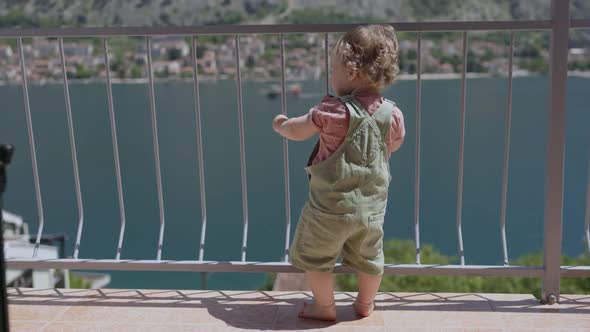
[{"x": 3, "y": 295}]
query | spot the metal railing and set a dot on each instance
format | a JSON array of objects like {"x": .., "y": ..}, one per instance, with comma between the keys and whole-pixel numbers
[{"x": 550, "y": 272}]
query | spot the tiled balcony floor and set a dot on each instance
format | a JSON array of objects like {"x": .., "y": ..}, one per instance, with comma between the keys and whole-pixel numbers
[{"x": 200, "y": 310}]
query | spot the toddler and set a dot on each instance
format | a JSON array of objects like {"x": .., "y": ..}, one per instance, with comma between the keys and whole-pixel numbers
[{"x": 348, "y": 170}]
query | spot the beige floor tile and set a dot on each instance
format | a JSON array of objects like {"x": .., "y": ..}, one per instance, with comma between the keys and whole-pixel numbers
[
  {"x": 509, "y": 297},
  {"x": 72, "y": 327},
  {"x": 241, "y": 327},
  {"x": 33, "y": 291},
  {"x": 440, "y": 320},
  {"x": 244, "y": 313},
  {"x": 385, "y": 297},
  {"x": 25, "y": 326},
  {"x": 463, "y": 297},
  {"x": 35, "y": 312},
  {"x": 525, "y": 329},
  {"x": 545, "y": 321},
  {"x": 205, "y": 294},
  {"x": 409, "y": 329},
  {"x": 248, "y": 295},
  {"x": 287, "y": 318},
  {"x": 157, "y": 328},
  {"x": 471, "y": 329},
  {"x": 344, "y": 297},
  {"x": 358, "y": 328},
  {"x": 576, "y": 297},
  {"x": 419, "y": 296},
  {"x": 137, "y": 314},
  {"x": 291, "y": 295},
  {"x": 76, "y": 292},
  {"x": 41, "y": 300}
]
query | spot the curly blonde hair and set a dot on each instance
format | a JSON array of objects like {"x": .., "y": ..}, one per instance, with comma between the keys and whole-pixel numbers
[{"x": 372, "y": 50}]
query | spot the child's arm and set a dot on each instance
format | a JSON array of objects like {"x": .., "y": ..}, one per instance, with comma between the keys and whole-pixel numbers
[
  {"x": 297, "y": 129},
  {"x": 397, "y": 132}
]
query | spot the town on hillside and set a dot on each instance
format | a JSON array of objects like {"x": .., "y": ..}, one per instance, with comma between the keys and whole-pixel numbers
[{"x": 260, "y": 57}]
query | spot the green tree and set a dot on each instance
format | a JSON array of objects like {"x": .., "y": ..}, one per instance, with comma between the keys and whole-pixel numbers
[
  {"x": 434, "y": 8},
  {"x": 16, "y": 19},
  {"x": 78, "y": 282},
  {"x": 227, "y": 17},
  {"x": 531, "y": 49},
  {"x": 474, "y": 63},
  {"x": 269, "y": 282},
  {"x": 136, "y": 71},
  {"x": 536, "y": 65},
  {"x": 80, "y": 72},
  {"x": 488, "y": 54},
  {"x": 398, "y": 251},
  {"x": 402, "y": 251},
  {"x": 454, "y": 60},
  {"x": 268, "y": 55},
  {"x": 317, "y": 15},
  {"x": 200, "y": 51},
  {"x": 162, "y": 74}
]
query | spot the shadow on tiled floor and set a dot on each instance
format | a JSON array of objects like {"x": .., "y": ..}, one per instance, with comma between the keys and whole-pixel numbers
[{"x": 255, "y": 310}]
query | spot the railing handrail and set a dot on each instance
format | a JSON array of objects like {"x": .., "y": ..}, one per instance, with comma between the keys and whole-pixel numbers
[{"x": 232, "y": 29}]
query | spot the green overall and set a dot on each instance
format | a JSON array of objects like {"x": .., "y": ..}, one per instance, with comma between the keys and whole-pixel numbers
[{"x": 345, "y": 209}]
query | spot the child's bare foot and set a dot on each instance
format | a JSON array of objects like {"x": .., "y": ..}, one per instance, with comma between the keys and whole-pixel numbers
[
  {"x": 318, "y": 312},
  {"x": 363, "y": 309}
]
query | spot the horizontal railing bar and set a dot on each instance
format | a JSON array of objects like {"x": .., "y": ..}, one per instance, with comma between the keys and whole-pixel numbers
[
  {"x": 274, "y": 29},
  {"x": 575, "y": 271},
  {"x": 580, "y": 24},
  {"x": 239, "y": 266}
]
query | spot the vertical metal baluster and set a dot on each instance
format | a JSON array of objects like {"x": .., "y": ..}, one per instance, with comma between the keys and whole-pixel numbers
[
  {"x": 31, "y": 147},
  {"x": 242, "y": 150},
  {"x": 417, "y": 170},
  {"x": 73, "y": 148},
  {"x": 148, "y": 41},
  {"x": 327, "y": 60},
  {"x": 200, "y": 151},
  {"x": 507, "y": 152},
  {"x": 115, "y": 149},
  {"x": 461, "y": 151},
  {"x": 587, "y": 226},
  {"x": 285, "y": 153}
]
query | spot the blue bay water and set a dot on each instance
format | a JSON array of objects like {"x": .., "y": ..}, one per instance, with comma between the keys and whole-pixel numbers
[{"x": 484, "y": 144}]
